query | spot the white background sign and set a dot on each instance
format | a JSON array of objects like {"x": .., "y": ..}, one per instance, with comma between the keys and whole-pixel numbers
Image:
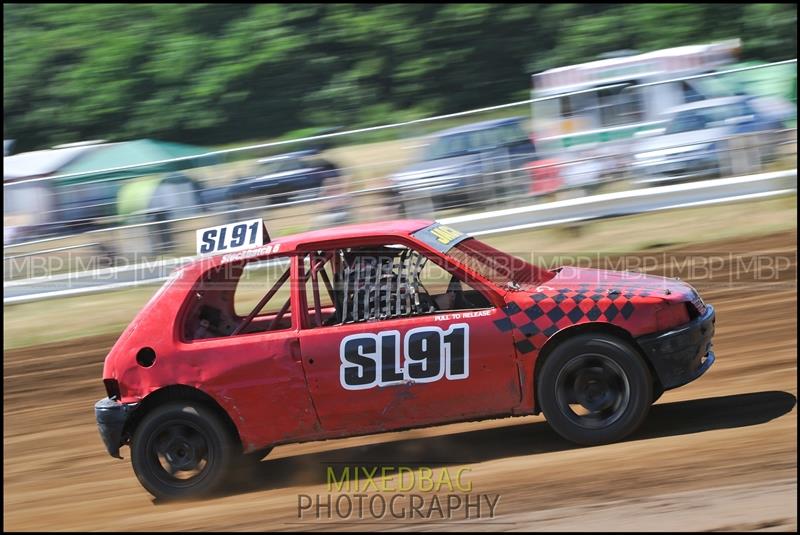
[{"x": 231, "y": 237}]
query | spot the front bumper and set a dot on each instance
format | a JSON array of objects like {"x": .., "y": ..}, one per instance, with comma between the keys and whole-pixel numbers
[
  {"x": 111, "y": 417},
  {"x": 679, "y": 356}
]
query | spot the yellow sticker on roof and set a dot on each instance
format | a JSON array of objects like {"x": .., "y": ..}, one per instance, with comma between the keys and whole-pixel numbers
[{"x": 440, "y": 237}]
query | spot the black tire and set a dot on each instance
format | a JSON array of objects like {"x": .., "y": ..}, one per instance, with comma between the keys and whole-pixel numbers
[
  {"x": 188, "y": 439},
  {"x": 595, "y": 389}
]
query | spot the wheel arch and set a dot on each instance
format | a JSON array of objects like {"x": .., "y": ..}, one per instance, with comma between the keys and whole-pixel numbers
[
  {"x": 179, "y": 392},
  {"x": 583, "y": 328}
]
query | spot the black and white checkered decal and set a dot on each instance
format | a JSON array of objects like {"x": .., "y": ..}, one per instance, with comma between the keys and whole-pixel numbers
[{"x": 538, "y": 316}]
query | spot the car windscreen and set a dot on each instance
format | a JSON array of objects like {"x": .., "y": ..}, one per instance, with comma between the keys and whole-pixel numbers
[
  {"x": 281, "y": 166},
  {"x": 453, "y": 145},
  {"x": 701, "y": 118},
  {"x": 687, "y": 121},
  {"x": 496, "y": 266},
  {"x": 448, "y": 146}
]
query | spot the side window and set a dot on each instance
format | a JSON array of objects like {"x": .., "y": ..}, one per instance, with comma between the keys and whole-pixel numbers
[
  {"x": 290, "y": 164},
  {"x": 448, "y": 292},
  {"x": 380, "y": 282},
  {"x": 484, "y": 139},
  {"x": 240, "y": 298},
  {"x": 578, "y": 112},
  {"x": 457, "y": 144},
  {"x": 512, "y": 133},
  {"x": 620, "y": 106},
  {"x": 263, "y": 287}
]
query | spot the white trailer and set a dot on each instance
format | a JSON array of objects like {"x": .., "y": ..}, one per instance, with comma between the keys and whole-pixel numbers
[{"x": 591, "y": 111}]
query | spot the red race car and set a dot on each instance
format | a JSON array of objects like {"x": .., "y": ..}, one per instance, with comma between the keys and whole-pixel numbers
[{"x": 368, "y": 328}]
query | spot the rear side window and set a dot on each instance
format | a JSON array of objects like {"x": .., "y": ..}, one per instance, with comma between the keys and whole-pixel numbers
[
  {"x": 256, "y": 279},
  {"x": 240, "y": 298}
]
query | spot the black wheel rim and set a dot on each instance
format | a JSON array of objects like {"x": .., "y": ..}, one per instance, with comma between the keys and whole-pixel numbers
[
  {"x": 179, "y": 453},
  {"x": 592, "y": 391}
]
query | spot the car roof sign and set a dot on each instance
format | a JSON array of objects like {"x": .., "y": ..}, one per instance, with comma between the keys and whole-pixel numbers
[
  {"x": 232, "y": 237},
  {"x": 440, "y": 237}
]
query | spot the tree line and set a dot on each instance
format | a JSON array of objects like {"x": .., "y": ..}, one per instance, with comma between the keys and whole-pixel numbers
[{"x": 222, "y": 73}]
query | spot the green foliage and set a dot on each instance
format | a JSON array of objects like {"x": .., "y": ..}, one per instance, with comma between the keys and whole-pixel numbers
[{"x": 219, "y": 73}]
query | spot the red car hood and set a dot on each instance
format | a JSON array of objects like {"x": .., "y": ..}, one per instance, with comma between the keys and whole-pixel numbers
[{"x": 623, "y": 282}]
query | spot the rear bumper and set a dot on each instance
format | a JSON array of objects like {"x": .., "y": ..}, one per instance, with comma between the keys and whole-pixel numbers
[
  {"x": 111, "y": 416},
  {"x": 679, "y": 356}
]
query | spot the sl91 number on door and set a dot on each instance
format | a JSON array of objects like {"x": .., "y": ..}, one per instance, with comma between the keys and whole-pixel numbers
[{"x": 424, "y": 355}]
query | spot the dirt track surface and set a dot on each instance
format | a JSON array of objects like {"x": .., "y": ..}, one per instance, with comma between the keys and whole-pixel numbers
[{"x": 718, "y": 454}]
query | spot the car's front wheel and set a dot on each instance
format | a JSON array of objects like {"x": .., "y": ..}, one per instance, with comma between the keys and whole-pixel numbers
[
  {"x": 595, "y": 389},
  {"x": 182, "y": 450}
]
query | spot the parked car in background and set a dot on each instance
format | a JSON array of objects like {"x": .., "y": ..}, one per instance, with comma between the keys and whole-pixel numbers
[
  {"x": 586, "y": 115},
  {"x": 469, "y": 164},
  {"x": 696, "y": 141},
  {"x": 278, "y": 179}
]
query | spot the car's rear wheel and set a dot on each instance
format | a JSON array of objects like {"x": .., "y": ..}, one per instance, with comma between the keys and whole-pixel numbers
[
  {"x": 182, "y": 450},
  {"x": 595, "y": 389}
]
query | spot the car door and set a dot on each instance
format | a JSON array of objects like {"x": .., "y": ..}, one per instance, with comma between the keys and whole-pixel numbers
[
  {"x": 239, "y": 330},
  {"x": 370, "y": 373}
]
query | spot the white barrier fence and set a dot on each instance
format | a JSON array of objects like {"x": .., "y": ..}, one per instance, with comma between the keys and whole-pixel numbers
[
  {"x": 502, "y": 181},
  {"x": 627, "y": 202},
  {"x": 482, "y": 223}
]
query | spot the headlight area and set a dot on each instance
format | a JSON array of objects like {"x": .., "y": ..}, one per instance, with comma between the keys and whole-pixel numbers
[
  {"x": 671, "y": 315},
  {"x": 684, "y": 352}
]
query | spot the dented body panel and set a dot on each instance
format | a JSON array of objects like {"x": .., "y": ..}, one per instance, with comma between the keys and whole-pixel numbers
[{"x": 308, "y": 382}]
